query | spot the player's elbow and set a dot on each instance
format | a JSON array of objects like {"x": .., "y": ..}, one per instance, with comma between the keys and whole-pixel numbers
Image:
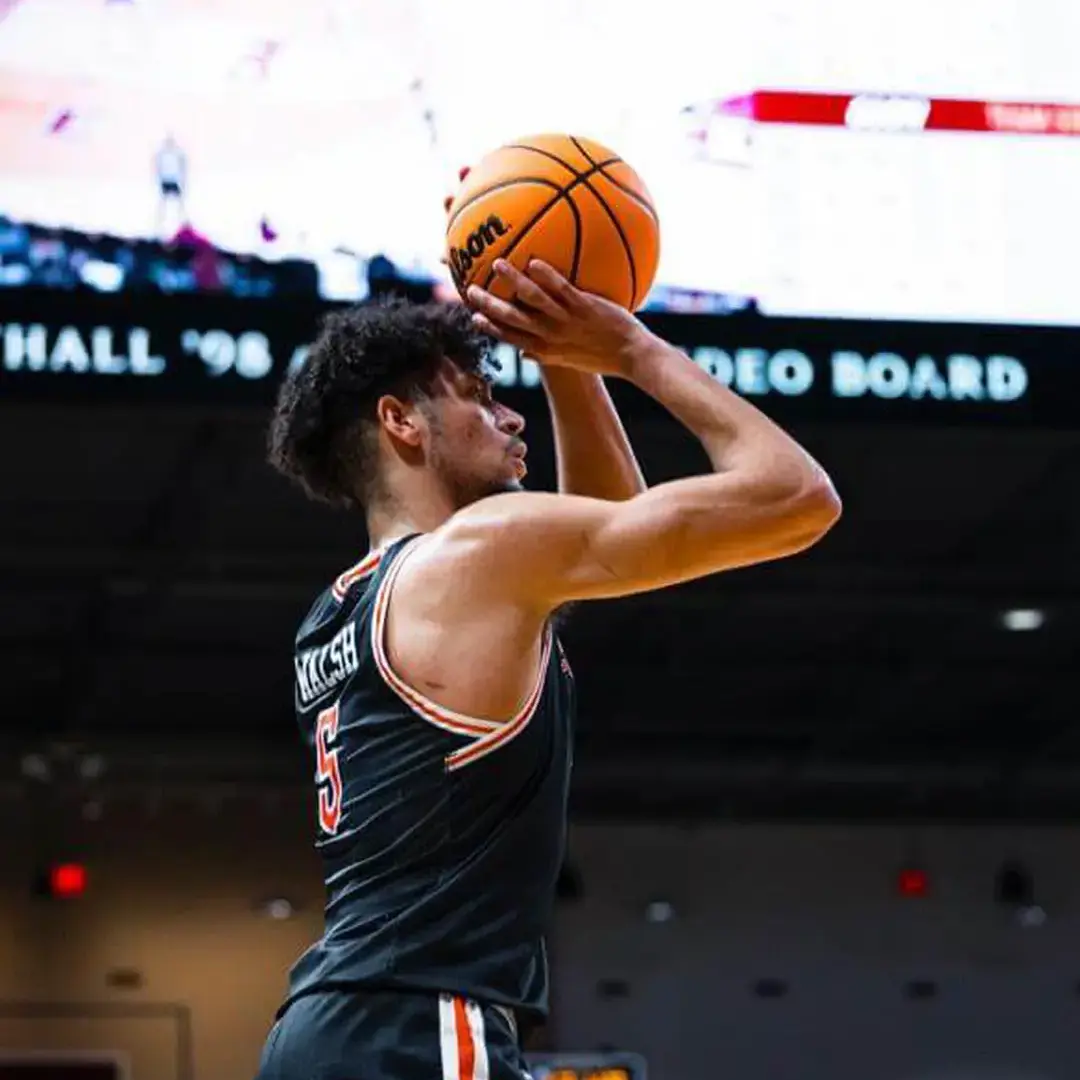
[
  {"x": 773, "y": 515},
  {"x": 819, "y": 503},
  {"x": 806, "y": 513}
]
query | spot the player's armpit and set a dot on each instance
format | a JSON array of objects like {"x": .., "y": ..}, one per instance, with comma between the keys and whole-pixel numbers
[{"x": 545, "y": 550}]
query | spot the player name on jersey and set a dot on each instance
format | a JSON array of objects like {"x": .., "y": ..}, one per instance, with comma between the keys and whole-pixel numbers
[{"x": 320, "y": 671}]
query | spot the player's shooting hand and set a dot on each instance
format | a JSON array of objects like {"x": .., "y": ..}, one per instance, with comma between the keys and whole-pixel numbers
[
  {"x": 552, "y": 321},
  {"x": 555, "y": 323}
]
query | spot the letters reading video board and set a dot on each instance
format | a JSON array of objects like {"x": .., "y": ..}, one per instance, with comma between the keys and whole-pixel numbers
[{"x": 813, "y": 369}]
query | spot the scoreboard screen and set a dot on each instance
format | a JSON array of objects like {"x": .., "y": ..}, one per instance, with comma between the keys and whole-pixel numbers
[
  {"x": 843, "y": 159},
  {"x": 91, "y": 348}
]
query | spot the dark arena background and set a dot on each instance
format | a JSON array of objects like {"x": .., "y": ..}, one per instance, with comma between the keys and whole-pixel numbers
[{"x": 825, "y": 812}]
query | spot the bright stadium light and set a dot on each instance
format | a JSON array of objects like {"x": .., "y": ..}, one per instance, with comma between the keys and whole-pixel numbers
[
  {"x": 277, "y": 908},
  {"x": 1020, "y": 619},
  {"x": 659, "y": 911}
]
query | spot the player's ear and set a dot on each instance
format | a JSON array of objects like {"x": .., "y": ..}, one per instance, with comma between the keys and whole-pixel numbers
[{"x": 403, "y": 421}]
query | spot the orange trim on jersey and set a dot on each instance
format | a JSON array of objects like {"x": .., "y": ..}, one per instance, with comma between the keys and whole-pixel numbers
[
  {"x": 367, "y": 565},
  {"x": 447, "y": 719},
  {"x": 487, "y": 735},
  {"x": 488, "y": 744}
]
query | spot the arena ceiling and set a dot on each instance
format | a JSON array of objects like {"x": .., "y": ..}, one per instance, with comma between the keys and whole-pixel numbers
[{"x": 153, "y": 570}]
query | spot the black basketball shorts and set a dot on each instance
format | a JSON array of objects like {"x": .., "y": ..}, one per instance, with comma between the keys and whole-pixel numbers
[{"x": 386, "y": 1035}]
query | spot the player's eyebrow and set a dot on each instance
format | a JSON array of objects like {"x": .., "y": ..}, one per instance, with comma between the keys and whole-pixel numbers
[
  {"x": 480, "y": 379},
  {"x": 484, "y": 385}
]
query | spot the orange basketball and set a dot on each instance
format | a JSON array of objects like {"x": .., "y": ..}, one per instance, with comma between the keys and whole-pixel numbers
[{"x": 560, "y": 198}]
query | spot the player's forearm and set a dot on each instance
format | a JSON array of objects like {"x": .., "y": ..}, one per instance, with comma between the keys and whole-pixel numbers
[
  {"x": 592, "y": 451},
  {"x": 734, "y": 433}
]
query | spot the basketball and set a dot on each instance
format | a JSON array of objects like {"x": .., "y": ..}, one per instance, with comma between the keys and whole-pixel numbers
[{"x": 566, "y": 200}]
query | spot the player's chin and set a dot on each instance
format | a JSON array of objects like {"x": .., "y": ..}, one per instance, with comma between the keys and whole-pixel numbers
[
  {"x": 513, "y": 478},
  {"x": 508, "y": 484}
]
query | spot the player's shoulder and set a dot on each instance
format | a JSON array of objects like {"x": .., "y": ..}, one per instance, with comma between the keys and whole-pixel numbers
[
  {"x": 509, "y": 546},
  {"x": 488, "y": 531},
  {"x": 508, "y": 506},
  {"x": 513, "y": 517},
  {"x": 340, "y": 597}
]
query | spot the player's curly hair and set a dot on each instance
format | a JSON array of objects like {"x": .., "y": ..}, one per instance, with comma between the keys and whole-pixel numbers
[{"x": 323, "y": 432}]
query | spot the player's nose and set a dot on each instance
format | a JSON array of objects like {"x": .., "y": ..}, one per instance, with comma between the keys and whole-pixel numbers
[{"x": 510, "y": 422}]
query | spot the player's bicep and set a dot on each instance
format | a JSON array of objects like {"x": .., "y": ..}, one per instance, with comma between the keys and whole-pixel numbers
[
  {"x": 690, "y": 534},
  {"x": 671, "y": 534},
  {"x": 550, "y": 549}
]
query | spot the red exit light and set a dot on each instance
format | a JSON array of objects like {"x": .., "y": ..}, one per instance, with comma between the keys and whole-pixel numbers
[
  {"x": 67, "y": 881},
  {"x": 911, "y": 881}
]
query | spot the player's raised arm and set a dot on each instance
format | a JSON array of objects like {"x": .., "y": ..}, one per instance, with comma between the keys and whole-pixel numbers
[
  {"x": 593, "y": 455},
  {"x": 766, "y": 498}
]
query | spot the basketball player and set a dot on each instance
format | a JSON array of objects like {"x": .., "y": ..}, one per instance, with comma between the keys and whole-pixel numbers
[
  {"x": 430, "y": 683},
  {"x": 170, "y": 167}
]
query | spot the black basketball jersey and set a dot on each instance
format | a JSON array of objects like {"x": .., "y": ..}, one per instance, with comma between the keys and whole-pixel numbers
[{"x": 441, "y": 835}]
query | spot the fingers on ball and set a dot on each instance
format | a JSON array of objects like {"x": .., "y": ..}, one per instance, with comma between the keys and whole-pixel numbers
[
  {"x": 554, "y": 284},
  {"x": 518, "y": 338},
  {"x": 513, "y": 277},
  {"x": 492, "y": 306},
  {"x": 547, "y": 274},
  {"x": 512, "y": 315},
  {"x": 541, "y": 299}
]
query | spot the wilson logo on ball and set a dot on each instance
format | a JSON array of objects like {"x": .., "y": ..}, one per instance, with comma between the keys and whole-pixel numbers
[{"x": 477, "y": 242}]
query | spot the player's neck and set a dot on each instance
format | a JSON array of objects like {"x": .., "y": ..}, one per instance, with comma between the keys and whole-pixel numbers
[
  {"x": 380, "y": 538},
  {"x": 389, "y": 522},
  {"x": 408, "y": 501}
]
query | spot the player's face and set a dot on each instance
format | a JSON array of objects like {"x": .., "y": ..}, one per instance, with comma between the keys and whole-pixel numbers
[{"x": 476, "y": 442}]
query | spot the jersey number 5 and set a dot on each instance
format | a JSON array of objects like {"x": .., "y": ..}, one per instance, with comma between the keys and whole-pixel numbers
[{"x": 327, "y": 770}]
